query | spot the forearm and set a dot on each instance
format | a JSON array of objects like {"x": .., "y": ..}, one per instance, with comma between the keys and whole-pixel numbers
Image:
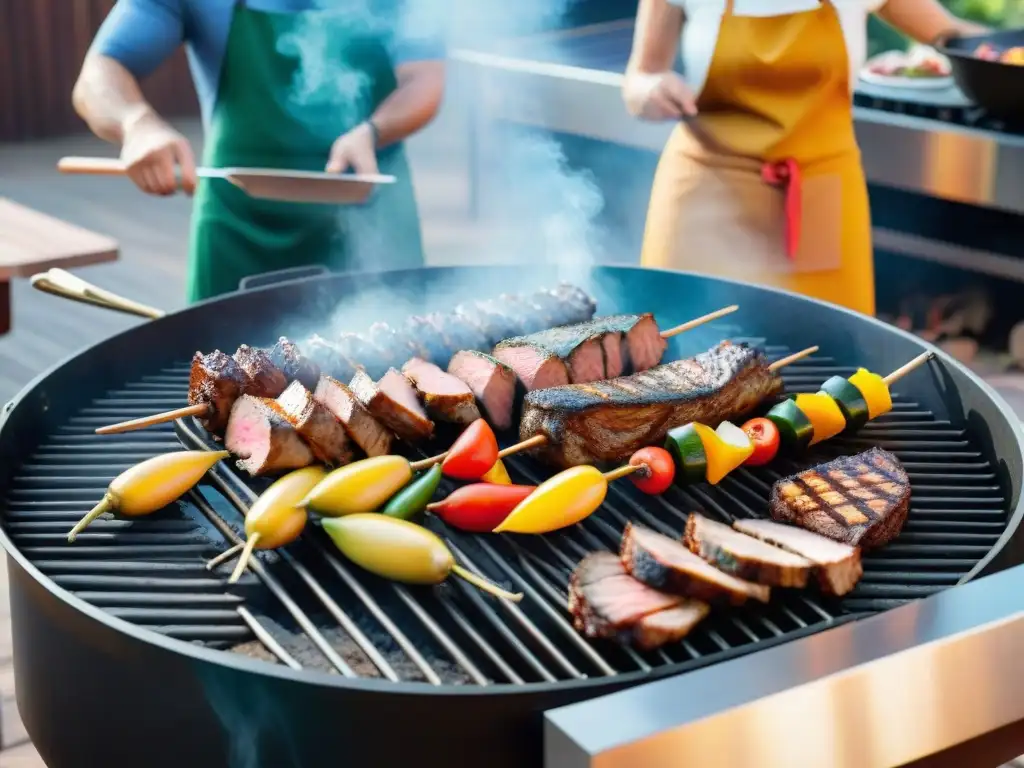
[
  {"x": 926, "y": 21},
  {"x": 412, "y": 105},
  {"x": 655, "y": 37},
  {"x": 107, "y": 96}
]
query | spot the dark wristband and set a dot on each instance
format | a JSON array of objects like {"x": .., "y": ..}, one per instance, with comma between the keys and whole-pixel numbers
[{"x": 374, "y": 132}]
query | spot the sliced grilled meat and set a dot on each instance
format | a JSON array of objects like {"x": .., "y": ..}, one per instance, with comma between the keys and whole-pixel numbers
[
  {"x": 643, "y": 345},
  {"x": 607, "y": 421},
  {"x": 329, "y": 358},
  {"x": 492, "y": 382},
  {"x": 263, "y": 439},
  {"x": 536, "y": 314},
  {"x": 664, "y": 563},
  {"x": 535, "y": 366},
  {"x": 669, "y": 626},
  {"x": 837, "y": 567},
  {"x": 363, "y": 352},
  {"x": 576, "y": 349},
  {"x": 446, "y": 397},
  {"x": 216, "y": 380},
  {"x": 393, "y": 402},
  {"x": 859, "y": 500},
  {"x": 324, "y": 434},
  {"x": 574, "y": 304},
  {"x": 458, "y": 333},
  {"x": 265, "y": 378},
  {"x": 743, "y": 556},
  {"x": 430, "y": 338},
  {"x": 369, "y": 434},
  {"x": 396, "y": 347},
  {"x": 293, "y": 364}
]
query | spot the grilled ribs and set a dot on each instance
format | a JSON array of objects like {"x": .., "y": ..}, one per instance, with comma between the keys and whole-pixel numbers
[
  {"x": 369, "y": 434},
  {"x": 492, "y": 382},
  {"x": 393, "y": 402},
  {"x": 607, "y": 421},
  {"x": 261, "y": 436},
  {"x": 859, "y": 500},
  {"x": 321, "y": 431},
  {"x": 446, "y": 397}
]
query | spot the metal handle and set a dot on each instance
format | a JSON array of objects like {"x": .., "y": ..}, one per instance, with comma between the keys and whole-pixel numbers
[
  {"x": 59, "y": 282},
  {"x": 282, "y": 276},
  {"x": 101, "y": 166}
]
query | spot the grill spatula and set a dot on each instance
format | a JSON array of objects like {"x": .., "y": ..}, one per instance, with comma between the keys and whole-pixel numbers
[{"x": 265, "y": 183}]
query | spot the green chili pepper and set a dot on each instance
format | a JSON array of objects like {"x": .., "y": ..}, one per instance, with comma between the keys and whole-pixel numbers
[{"x": 413, "y": 499}]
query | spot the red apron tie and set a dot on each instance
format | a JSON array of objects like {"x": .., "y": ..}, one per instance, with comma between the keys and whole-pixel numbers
[{"x": 786, "y": 174}]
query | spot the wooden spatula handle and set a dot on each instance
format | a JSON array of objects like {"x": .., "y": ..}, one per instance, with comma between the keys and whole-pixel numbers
[{"x": 102, "y": 166}]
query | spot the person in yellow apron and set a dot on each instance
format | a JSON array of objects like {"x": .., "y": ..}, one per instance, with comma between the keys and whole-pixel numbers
[{"x": 761, "y": 180}]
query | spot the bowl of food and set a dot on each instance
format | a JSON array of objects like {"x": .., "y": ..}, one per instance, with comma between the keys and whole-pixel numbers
[
  {"x": 920, "y": 67},
  {"x": 989, "y": 69}
]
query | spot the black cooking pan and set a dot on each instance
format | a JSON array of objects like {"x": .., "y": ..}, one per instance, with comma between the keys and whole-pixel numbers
[{"x": 996, "y": 87}]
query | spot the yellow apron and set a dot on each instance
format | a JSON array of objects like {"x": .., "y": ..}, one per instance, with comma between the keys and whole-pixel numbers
[{"x": 766, "y": 184}]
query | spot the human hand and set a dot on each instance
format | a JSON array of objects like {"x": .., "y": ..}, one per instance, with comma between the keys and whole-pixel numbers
[
  {"x": 156, "y": 156},
  {"x": 354, "y": 150},
  {"x": 658, "y": 96}
]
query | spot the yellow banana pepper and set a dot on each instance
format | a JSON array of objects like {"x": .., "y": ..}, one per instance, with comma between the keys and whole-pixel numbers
[
  {"x": 561, "y": 501},
  {"x": 362, "y": 486}
]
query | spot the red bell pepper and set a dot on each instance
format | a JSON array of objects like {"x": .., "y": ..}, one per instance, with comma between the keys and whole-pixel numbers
[{"x": 481, "y": 507}]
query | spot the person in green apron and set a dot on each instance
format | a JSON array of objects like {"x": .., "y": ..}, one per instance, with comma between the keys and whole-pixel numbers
[{"x": 292, "y": 84}]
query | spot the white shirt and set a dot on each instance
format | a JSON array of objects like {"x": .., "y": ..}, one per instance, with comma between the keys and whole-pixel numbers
[{"x": 704, "y": 17}]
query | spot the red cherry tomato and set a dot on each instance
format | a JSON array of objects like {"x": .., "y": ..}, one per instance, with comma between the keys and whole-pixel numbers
[
  {"x": 473, "y": 453},
  {"x": 660, "y": 472},
  {"x": 765, "y": 436}
]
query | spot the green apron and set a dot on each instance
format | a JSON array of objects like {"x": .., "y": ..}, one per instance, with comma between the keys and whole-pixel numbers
[{"x": 273, "y": 112}]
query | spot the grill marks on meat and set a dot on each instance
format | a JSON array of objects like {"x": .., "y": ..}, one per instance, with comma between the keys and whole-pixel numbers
[
  {"x": 859, "y": 500},
  {"x": 393, "y": 402},
  {"x": 836, "y": 567},
  {"x": 216, "y": 380},
  {"x": 606, "y": 421},
  {"x": 293, "y": 364},
  {"x": 606, "y": 602},
  {"x": 665, "y": 564},
  {"x": 446, "y": 397},
  {"x": 366, "y": 432},
  {"x": 265, "y": 378},
  {"x": 261, "y": 436},
  {"x": 743, "y": 556},
  {"x": 324, "y": 434},
  {"x": 491, "y": 381}
]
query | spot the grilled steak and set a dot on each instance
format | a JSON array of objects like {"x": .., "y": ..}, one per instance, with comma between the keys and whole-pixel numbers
[
  {"x": 329, "y": 358},
  {"x": 859, "y": 500},
  {"x": 366, "y": 432},
  {"x": 446, "y": 397},
  {"x": 743, "y": 556},
  {"x": 664, "y": 563},
  {"x": 393, "y": 402},
  {"x": 216, "y": 380},
  {"x": 265, "y": 378},
  {"x": 571, "y": 353},
  {"x": 643, "y": 347},
  {"x": 261, "y": 436},
  {"x": 293, "y": 364},
  {"x": 836, "y": 566},
  {"x": 324, "y": 434},
  {"x": 492, "y": 382},
  {"x": 609, "y": 420},
  {"x": 605, "y": 602}
]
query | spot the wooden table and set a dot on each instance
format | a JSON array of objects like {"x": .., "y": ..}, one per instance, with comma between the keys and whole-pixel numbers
[{"x": 32, "y": 242}]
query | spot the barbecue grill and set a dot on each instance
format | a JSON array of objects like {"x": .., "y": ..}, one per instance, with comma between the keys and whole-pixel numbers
[{"x": 127, "y": 651}]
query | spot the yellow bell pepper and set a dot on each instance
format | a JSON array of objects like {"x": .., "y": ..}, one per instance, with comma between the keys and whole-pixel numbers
[
  {"x": 558, "y": 502},
  {"x": 362, "y": 486},
  {"x": 725, "y": 448},
  {"x": 497, "y": 475},
  {"x": 874, "y": 390},
  {"x": 824, "y": 414}
]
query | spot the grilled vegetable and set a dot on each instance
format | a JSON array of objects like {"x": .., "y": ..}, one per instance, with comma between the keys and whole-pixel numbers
[
  {"x": 401, "y": 551},
  {"x": 824, "y": 414},
  {"x": 558, "y": 502},
  {"x": 765, "y": 436},
  {"x": 726, "y": 448},
  {"x": 413, "y": 499},
  {"x": 481, "y": 507},
  {"x": 362, "y": 486},
  {"x": 795, "y": 429},
  {"x": 658, "y": 470},
  {"x": 473, "y": 454},
  {"x": 497, "y": 474},
  {"x": 850, "y": 401},
  {"x": 687, "y": 449},
  {"x": 874, "y": 390},
  {"x": 151, "y": 485}
]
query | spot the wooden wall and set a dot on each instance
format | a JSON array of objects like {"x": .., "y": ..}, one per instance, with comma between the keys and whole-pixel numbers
[{"x": 42, "y": 45}]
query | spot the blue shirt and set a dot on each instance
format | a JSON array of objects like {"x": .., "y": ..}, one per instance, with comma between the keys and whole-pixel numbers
[{"x": 142, "y": 34}]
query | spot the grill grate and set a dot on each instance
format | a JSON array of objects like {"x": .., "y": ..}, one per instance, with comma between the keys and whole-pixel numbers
[{"x": 308, "y": 608}]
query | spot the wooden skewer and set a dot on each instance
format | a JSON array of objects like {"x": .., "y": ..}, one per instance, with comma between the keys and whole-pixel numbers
[
  {"x": 243, "y": 559},
  {"x": 224, "y": 556},
  {"x": 625, "y": 469},
  {"x": 792, "y": 358},
  {"x": 200, "y": 409},
  {"x": 416, "y": 466},
  {"x": 691, "y": 324},
  {"x": 906, "y": 368}
]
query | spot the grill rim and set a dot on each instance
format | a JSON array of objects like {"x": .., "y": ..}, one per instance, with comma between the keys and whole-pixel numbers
[{"x": 27, "y": 404}]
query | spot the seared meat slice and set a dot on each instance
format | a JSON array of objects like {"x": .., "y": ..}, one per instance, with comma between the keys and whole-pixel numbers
[
  {"x": 261, "y": 436},
  {"x": 216, "y": 380},
  {"x": 859, "y": 500},
  {"x": 837, "y": 567},
  {"x": 324, "y": 434},
  {"x": 669, "y": 626},
  {"x": 644, "y": 347},
  {"x": 664, "y": 563},
  {"x": 330, "y": 359},
  {"x": 293, "y": 364},
  {"x": 396, "y": 347},
  {"x": 575, "y": 350},
  {"x": 362, "y": 352},
  {"x": 743, "y": 556},
  {"x": 535, "y": 366},
  {"x": 368, "y": 433},
  {"x": 393, "y": 402},
  {"x": 607, "y": 421},
  {"x": 446, "y": 397},
  {"x": 493, "y": 383},
  {"x": 266, "y": 379}
]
